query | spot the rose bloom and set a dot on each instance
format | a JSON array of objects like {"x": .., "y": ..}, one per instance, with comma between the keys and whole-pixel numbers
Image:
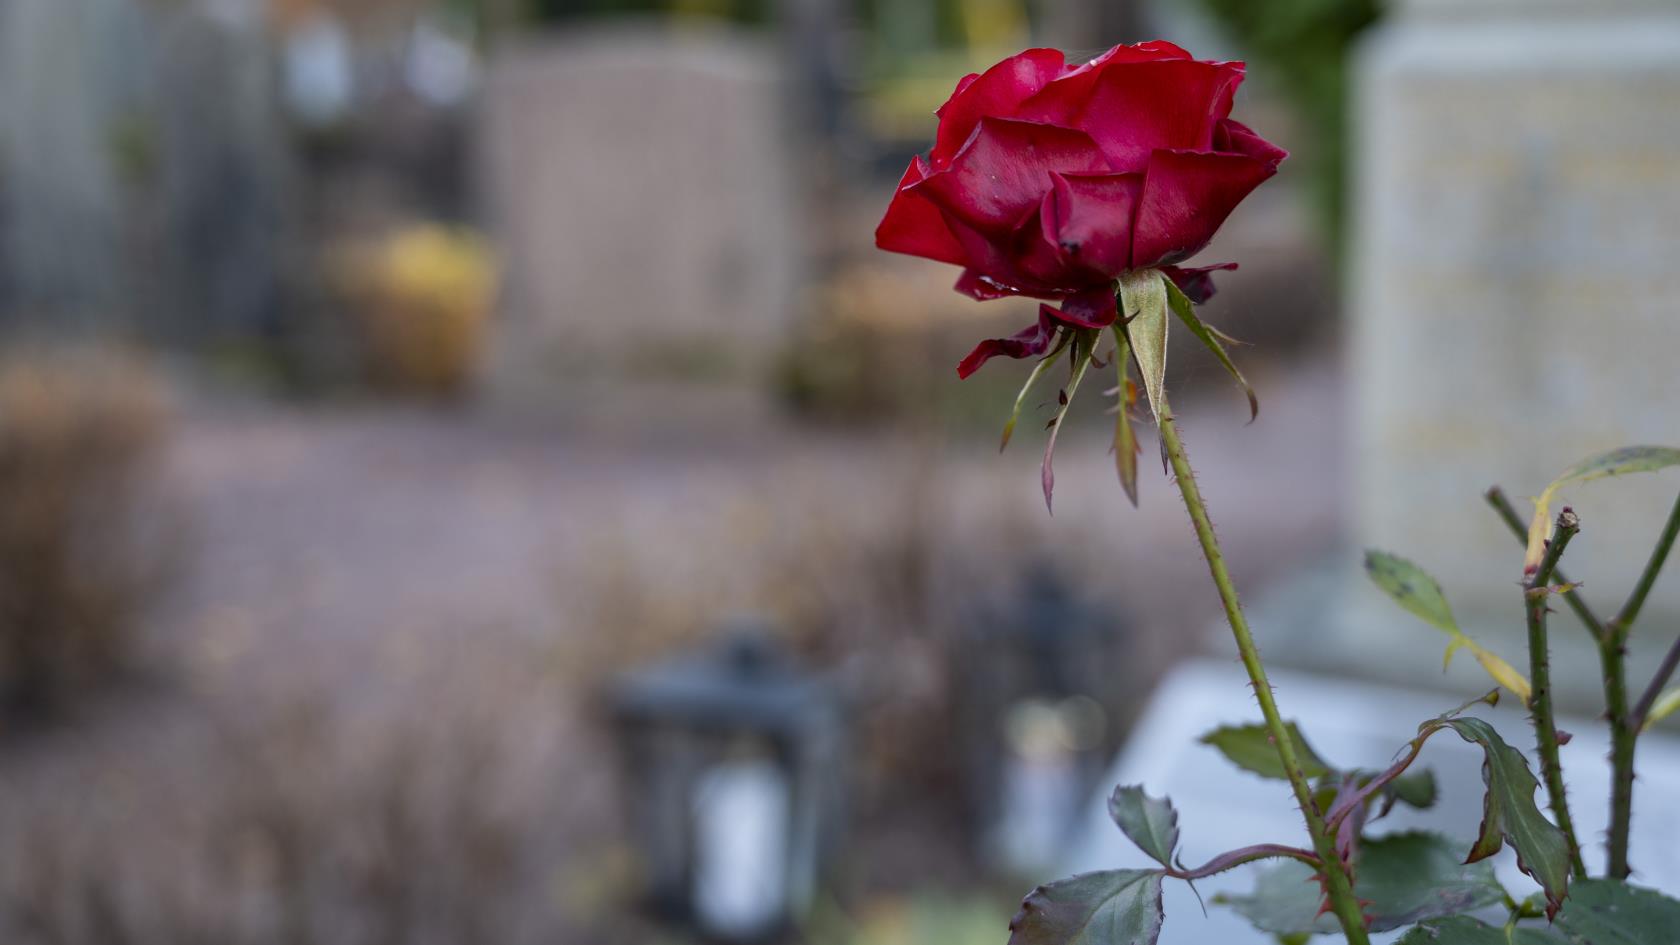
[{"x": 1050, "y": 180}]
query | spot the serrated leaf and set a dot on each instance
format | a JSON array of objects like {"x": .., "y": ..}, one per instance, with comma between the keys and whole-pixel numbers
[
  {"x": 1186, "y": 312},
  {"x": 1149, "y": 822},
  {"x": 1250, "y": 748},
  {"x": 1463, "y": 930},
  {"x": 1084, "y": 346},
  {"x": 1617, "y": 462},
  {"x": 1114, "y": 907},
  {"x": 1402, "y": 879},
  {"x": 1038, "y": 371},
  {"x": 1143, "y": 307},
  {"x": 1420, "y": 594},
  {"x": 1510, "y": 814},
  {"x": 1664, "y": 706},
  {"x": 1610, "y": 912},
  {"x": 1126, "y": 445}
]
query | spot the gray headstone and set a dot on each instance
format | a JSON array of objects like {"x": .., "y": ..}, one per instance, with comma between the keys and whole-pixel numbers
[
  {"x": 1518, "y": 220},
  {"x": 641, "y": 189}
]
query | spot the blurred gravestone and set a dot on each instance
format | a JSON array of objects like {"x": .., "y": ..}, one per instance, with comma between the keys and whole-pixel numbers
[
  {"x": 640, "y": 185},
  {"x": 1518, "y": 225}
]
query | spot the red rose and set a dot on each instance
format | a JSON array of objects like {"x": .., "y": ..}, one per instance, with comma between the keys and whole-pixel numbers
[{"x": 1050, "y": 180}]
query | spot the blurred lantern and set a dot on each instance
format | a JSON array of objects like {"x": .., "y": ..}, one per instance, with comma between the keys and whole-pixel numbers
[
  {"x": 732, "y": 762},
  {"x": 1037, "y": 735}
]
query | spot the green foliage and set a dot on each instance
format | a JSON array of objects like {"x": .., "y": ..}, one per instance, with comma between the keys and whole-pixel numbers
[
  {"x": 1509, "y": 812},
  {"x": 1186, "y": 312},
  {"x": 1149, "y": 822},
  {"x": 1463, "y": 930},
  {"x": 1114, "y": 907},
  {"x": 1413, "y": 589},
  {"x": 1608, "y": 912},
  {"x": 1250, "y": 748},
  {"x": 1404, "y": 878},
  {"x": 1617, "y": 462},
  {"x": 1143, "y": 306}
]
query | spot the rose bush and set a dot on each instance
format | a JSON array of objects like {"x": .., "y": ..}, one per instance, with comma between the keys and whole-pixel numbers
[{"x": 1052, "y": 180}]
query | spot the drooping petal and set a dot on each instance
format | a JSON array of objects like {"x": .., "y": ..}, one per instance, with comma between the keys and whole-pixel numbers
[
  {"x": 1133, "y": 108},
  {"x": 1196, "y": 282},
  {"x": 1238, "y": 138},
  {"x": 1029, "y": 342},
  {"x": 1091, "y": 308},
  {"x": 982, "y": 288},
  {"x": 1090, "y": 220},
  {"x": 914, "y": 225},
  {"x": 1003, "y": 172},
  {"x": 997, "y": 92},
  {"x": 1186, "y": 197}
]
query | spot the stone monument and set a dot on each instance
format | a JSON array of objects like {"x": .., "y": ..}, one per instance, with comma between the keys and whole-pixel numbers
[
  {"x": 641, "y": 188},
  {"x": 1513, "y": 308}
]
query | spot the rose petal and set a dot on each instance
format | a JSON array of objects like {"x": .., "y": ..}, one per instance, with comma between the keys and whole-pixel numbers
[
  {"x": 1186, "y": 196},
  {"x": 1196, "y": 282},
  {"x": 1133, "y": 108},
  {"x": 981, "y": 287},
  {"x": 997, "y": 93},
  {"x": 1236, "y": 137},
  {"x": 1003, "y": 172},
  {"x": 914, "y": 225},
  {"x": 1092, "y": 308},
  {"x": 1091, "y": 220},
  {"x": 1029, "y": 342}
]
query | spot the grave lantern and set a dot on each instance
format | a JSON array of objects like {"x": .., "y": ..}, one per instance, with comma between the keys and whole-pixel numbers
[
  {"x": 1036, "y": 726},
  {"x": 732, "y": 774}
]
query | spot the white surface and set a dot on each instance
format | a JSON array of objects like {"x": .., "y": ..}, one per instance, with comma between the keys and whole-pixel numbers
[{"x": 1349, "y": 725}]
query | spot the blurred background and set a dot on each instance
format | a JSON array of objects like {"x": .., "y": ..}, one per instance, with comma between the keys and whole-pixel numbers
[{"x": 466, "y": 475}]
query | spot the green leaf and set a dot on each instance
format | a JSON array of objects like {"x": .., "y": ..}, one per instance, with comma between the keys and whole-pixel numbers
[
  {"x": 1609, "y": 912},
  {"x": 1084, "y": 347},
  {"x": 1628, "y": 459},
  {"x": 1114, "y": 907},
  {"x": 1250, "y": 748},
  {"x": 1416, "y": 789},
  {"x": 1125, "y": 438},
  {"x": 1402, "y": 878},
  {"x": 1186, "y": 312},
  {"x": 1143, "y": 307},
  {"x": 1413, "y": 589},
  {"x": 1510, "y": 814},
  {"x": 1149, "y": 822},
  {"x": 1463, "y": 930},
  {"x": 1664, "y": 706},
  {"x": 1021, "y": 398}
]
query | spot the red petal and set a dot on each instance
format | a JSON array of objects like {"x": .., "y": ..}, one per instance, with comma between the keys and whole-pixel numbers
[
  {"x": 983, "y": 288},
  {"x": 1092, "y": 220},
  {"x": 1092, "y": 308},
  {"x": 1133, "y": 108},
  {"x": 1003, "y": 172},
  {"x": 1197, "y": 282},
  {"x": 1186, "y": 196},
  {"x": 1029, "y": 342},
  {"x": 1236, "y": 137},
  {"x": 995, "y": 93},
  {"x": 914, "y": 225}
]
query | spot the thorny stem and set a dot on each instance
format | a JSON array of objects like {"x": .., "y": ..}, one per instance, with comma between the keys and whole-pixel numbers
[
  {"x": 1622, "y": 623},
  {"x": 1625, "y": 736},
  {"x": 1508, "y": 514},
  {"x": 1539, "y": 661},
  {"x": 1624, "y": 725},
  {"x": 1338, "y": 884}
]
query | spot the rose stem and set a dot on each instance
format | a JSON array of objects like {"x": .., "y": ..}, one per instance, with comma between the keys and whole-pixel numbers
[
  {"x": 1337, "y": 884},
  {"x": 1539, "y": 664},
  {"x": 1612, "y": 637}
]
